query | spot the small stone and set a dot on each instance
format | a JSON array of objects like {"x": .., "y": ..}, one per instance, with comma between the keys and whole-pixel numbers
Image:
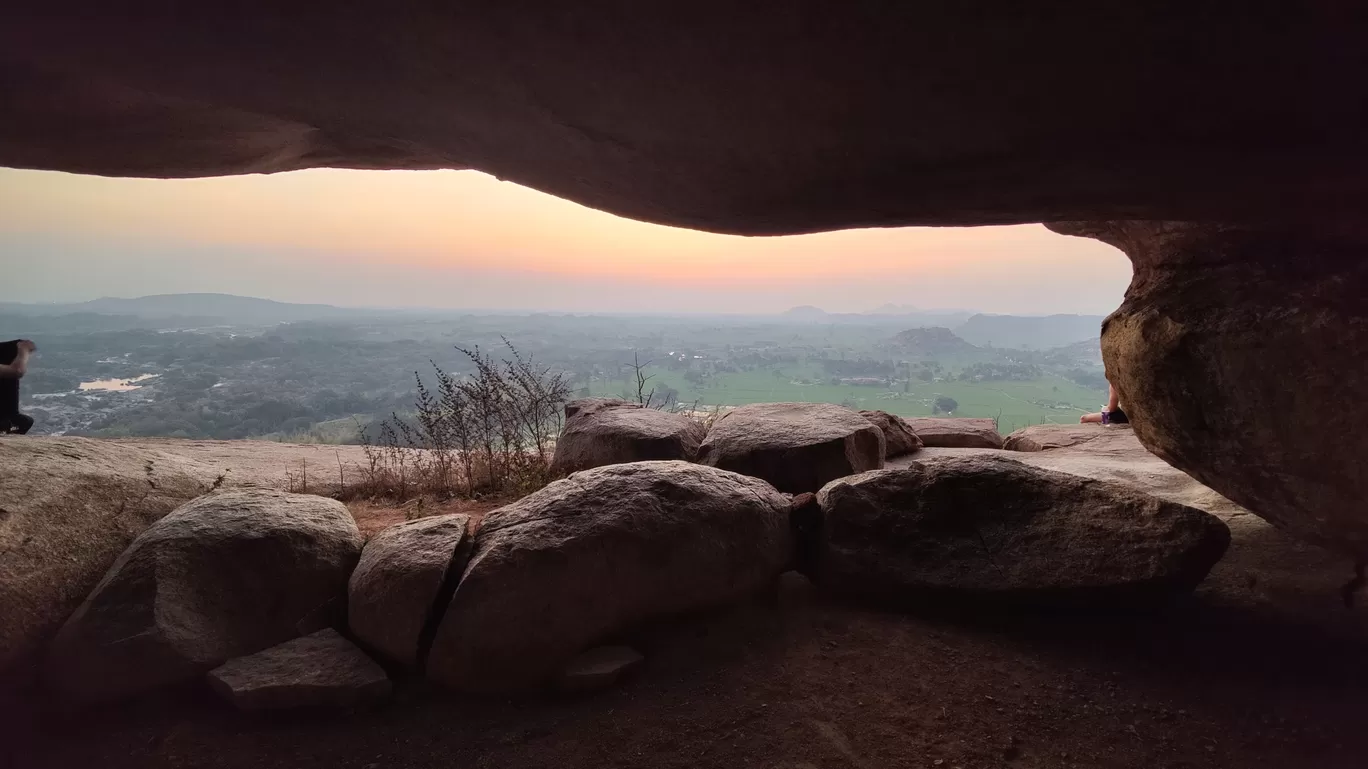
[
  {"x": 599, "y": 668},
  {"x": 319, "y": 670}
]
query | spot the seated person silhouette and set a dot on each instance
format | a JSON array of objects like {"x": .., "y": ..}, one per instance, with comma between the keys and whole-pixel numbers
[
  {"x": 1111, "y": 414},
  {"x": 14, "y": 357}
]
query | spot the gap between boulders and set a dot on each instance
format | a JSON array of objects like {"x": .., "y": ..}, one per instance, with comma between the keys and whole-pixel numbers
[{"x": 451, "y": 579}]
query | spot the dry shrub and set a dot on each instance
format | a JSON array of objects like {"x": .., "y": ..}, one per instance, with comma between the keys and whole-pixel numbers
[{"x": 488, "y": 433}]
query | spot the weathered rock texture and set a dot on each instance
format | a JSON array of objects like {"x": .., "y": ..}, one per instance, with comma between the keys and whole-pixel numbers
[
  {"x": 67, "y": 509},
  {"x": 993, "y": 529},
  {"x": 956, "y": 432},
  {"x": 584, "y": 406},
  {"x": 319, "y": 670},
  {"x": 756, "y": 118},
  {"x": 1051, "y": 437},
  {"x": 598, "y": 553},
  {"x": 899, "y": 438},
  {"x": 604, "y": 434},
  {"x": 399, "y": 581},
  {"x": 1238, "y": 354},
  {"x": 1113, "y": 454},
  {"x": 797, "y": 447},
  {"x": 226, "y": 575}
]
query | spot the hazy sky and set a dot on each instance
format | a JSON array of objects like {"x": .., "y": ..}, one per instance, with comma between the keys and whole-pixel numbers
[{"x": 460, "y": 239}]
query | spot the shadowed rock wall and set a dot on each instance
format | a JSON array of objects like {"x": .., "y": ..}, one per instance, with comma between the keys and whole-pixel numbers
[{"x": 766, "y": 117}]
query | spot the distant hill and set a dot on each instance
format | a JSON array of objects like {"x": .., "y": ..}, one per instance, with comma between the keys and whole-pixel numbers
[
  {"x": 806, "y": 313},
  {"x": 930, "y": 342},
  {"x": 199, "y": 307},
  {"x": 1034, "y": 333}
]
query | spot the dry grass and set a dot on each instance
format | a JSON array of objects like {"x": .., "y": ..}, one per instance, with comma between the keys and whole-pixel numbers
[
  {"x": 372, "y": 515},
  {"x": 400, "y": 474}
]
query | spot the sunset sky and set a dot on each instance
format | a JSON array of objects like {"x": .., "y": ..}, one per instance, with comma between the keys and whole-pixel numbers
[{"x": 460, "y": 239}]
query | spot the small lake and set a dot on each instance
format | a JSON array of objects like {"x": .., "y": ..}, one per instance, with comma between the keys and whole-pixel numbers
[{"x": 116, "y": 385}]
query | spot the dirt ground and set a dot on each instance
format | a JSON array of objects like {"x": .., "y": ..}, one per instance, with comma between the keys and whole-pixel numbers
[{"x": 1264, "y": 667}]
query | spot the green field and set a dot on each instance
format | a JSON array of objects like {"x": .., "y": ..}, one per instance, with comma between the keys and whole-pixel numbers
[{"x": 1049, "y": 399}]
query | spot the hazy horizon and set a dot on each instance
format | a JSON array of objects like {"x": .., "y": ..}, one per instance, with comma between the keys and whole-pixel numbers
[
  {"x": 449, "y": 240},
  {"x": 521, "y": 311}
]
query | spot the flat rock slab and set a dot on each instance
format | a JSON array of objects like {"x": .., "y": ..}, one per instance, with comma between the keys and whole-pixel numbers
[
  {"x": 990, "y": 528},
  {"x": 956, "y": 432},
  {"x": 599, "y": 668},
  {"x": 603, "y": 433},
  {"x": 1052, "y": 437},
  {"x": 796, "y": 447},
  {"x": 598, "y": 553},
  {"x": 319, "y": 670},
  {"x": 399, "y": 580}
]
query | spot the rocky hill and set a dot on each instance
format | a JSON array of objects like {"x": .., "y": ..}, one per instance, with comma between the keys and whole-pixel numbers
[{"x": 930, "y": 342}]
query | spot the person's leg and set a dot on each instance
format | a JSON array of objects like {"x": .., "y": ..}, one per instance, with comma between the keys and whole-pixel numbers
[
  {"x": 1091, "y": 418},
  {"x": 22, "y": 423}
]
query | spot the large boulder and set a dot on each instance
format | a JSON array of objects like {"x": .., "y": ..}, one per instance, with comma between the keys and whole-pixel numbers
[
  {"x": 1238, "y": 354},
  {"x": 223, "y": 576},
  {"x": 602, "y": 434},
  {"x": 956, "y": 432},
  {"x": 1112, "y": 454},
  {"x": 322, "y": 669},
  {"x": 990, "y": 528},
  {"x": 899, "y": 437},
  {"x": 399, "y": 582},
  {"x": 68, "y": 507},
  {"x": 598, "y": 553},
  {"x": 797, "y": 447}
]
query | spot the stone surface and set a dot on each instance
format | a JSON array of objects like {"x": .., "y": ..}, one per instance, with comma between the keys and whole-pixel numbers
[
  {"x": 223, "y": 576},
  {"x": 590, "y": 405},
  {"x": 1050, "y": 437},
  {"x": 1237, "y": 354},
  {"x": 319, "y": 670},
  {"x": 399, "y": 580},
  {"x": 599, "y": 668},
  {"x": 796, "y": 447},
  {"x": 899, "y": 438},
  {"x": 1113, "y": 455},
  {"x": 754, "y": 118},
  {"x": 989, "y": 528},
  {"x": 956, "y": 432},
  {"x": 605, "y": 434},
  {"x": 598, "y": 553},
  {"x": 68, "y": 507}
]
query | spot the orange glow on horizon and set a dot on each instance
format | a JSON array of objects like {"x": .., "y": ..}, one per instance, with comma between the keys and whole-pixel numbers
[{"x": 452, "y": 221}]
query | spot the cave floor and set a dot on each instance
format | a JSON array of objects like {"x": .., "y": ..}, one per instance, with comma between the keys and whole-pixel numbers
[{"x": 1263, "y": 667}]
